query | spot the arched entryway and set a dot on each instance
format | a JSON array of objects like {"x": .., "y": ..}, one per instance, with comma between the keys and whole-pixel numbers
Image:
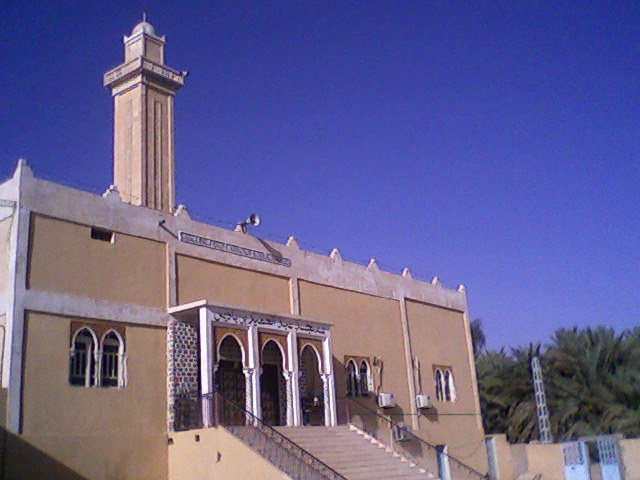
[
  {"x": 272, "y": 385},
  {"x": 231, "y": 380},
  {"x": 311, "y": 387}
]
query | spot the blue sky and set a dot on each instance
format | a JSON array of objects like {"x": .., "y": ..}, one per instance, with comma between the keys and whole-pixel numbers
[{"x": 494, "y": 144}]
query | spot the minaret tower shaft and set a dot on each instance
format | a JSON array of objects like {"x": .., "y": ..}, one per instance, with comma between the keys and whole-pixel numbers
[{"x": 143, "y": 90}]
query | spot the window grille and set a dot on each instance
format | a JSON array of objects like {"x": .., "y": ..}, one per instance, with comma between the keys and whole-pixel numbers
[
  {"x": 82, "y": 362},
  {"x": 445, "y": 386},
  {"x": 364, "y": 378},
  {"x": 439, "y": 386},
  {"x": 94, "y": 364},
  {"x": 352, "y": 380},
  {"x": 111, "y": 360}
]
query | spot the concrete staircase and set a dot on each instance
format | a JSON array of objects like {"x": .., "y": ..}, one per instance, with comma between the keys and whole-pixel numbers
[{"x": 354, "y": 454}]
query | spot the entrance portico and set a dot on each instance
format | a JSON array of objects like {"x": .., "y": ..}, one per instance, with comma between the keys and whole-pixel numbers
[{"x": 252, "y": 358}]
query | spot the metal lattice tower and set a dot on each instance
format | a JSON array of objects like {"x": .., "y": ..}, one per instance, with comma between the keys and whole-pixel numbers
[{"x": 544, "y": 428}]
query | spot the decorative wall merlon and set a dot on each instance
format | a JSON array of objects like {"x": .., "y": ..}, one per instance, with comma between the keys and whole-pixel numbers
[
  {"x": 23, "y": 170},
  {"x": 373, "y": 265},
  {"x": 112, "y": 194},
  {"x": 406, "y": 273},
  {"x": 182, "y": 211},
  {"x": 293, "y": 243},
  {"x": 59, "y": 201}
]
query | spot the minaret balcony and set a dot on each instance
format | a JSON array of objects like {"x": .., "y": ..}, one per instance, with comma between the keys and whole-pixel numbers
[{"x": 165, "y": 76}]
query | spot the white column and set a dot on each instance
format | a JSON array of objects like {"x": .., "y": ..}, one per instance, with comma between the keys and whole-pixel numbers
[
  {"x": 15, "y": 319},
  {"x": 288, "y": 381},
  {"x": 294, "y": 356},
  {"x": 253, "y": 362},
  {"x": 248, "y": 391},
  {"x": 329, "y": 385},
  {"x": 206, "y": 362}
]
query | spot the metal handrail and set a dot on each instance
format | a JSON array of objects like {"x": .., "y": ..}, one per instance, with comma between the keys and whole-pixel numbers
[
  {"x": 419, "y": 439},
  {"x": 289, "y": 456}
]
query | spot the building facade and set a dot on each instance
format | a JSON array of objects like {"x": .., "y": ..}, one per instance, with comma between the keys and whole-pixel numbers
[{"x": 120, "y": 317}]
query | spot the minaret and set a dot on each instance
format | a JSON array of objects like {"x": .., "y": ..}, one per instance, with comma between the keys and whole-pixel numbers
[{"x": 143, "y": 89}]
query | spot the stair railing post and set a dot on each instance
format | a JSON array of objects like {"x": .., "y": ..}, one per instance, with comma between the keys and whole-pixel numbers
[
  {"x": 216, "y": 409},
  {"x": 347, "y": 410}
]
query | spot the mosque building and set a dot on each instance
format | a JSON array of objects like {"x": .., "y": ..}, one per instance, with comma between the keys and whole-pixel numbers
[{"x": 138, "y": 343}]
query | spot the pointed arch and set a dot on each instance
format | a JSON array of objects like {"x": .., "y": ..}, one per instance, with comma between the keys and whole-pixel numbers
[
  {"x": 283, "y": 354},
  {"x": 364, "y": 378},
  {"x": 439, "y": 380},
  {"x": 352, "y": 378},
  {"x": 220, "y": 355},
  {"x": 273, "y": 390},
  {"x": 445, "y": 385},
  {"x": 317, "y": 353},
  {"x": 83, "y": 358},
  {"x": 312, "y": 386},
  {"x": 229, "y": 377},
  {"x": 449, "y": 386},
  {"x": 112, "y": 359}
]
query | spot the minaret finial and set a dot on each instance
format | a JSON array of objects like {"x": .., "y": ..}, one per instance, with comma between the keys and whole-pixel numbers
[{"x": 144, "y": 15}]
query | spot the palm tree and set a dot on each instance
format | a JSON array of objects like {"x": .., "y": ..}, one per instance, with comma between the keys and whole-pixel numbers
[
  {"x": 592, "y": 381},
  {"x": 506, "y": 395}
]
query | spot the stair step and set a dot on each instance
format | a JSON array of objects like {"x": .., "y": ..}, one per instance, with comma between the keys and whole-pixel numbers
[
  {"x": 365, "y": 462},
  {"x": 374, "y": 475},
  {"x": 402, "y": 469},
  {"x": 354, "y": 454}
]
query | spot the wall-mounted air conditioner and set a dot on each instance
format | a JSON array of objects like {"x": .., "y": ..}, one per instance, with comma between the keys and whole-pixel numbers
[
  {"x": 401, "y": 433},
  {"x": 423, "y": 401},
  {"x": 386, "y": 400}
]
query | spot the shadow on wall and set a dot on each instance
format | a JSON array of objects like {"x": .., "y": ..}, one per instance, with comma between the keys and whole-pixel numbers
[{"x": 20, "y": 460}]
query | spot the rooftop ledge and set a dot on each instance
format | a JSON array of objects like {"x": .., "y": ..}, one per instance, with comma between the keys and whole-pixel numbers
[{"x": 54, "y": 199}]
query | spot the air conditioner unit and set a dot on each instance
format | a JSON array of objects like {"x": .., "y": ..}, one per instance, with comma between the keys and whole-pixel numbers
[
  {"x": 386, "y": 400},
  {"x": 401, "y": 433},
  {"x": 423, "y": 401}
]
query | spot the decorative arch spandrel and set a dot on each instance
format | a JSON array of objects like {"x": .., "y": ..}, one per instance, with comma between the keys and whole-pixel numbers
[
  {"x": 281, "y": 340},
  {"x": 240, "y": 334},
  {"x": 316, "y": 345}
]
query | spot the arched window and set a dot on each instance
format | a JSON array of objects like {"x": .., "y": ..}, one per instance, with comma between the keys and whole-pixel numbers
[
  {"x": 364, "y": 379},
  {"x": 445, "y": 387},
  {"x": 449, "y": 387},
  {"x": 352, "y": 379},
  {"x": 82, "y": 361},
  {"x": 439, "y": 385},
  {"x": 112, "y": 361}
]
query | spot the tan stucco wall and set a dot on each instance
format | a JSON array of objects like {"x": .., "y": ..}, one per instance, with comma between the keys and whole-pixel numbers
[
  {"x": 370, "y": 326},
  {"x": 438, "y": 338},
  {"x": 199, "y": 279},
  {"x": 127, "y": 143},
  {"x": 5, "y": 238},
  {"x": 65, "y": 259},
  {"x": 504, "y": 465},
  {"x": 101, "y": 433},
  {"x": 631, "y": 458},
  {"x": 546, "y": 460},
  {"x": 363, "y": 325},
  {"x": 159, "y": 111},
  {"x": 218, "y": 455}
]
